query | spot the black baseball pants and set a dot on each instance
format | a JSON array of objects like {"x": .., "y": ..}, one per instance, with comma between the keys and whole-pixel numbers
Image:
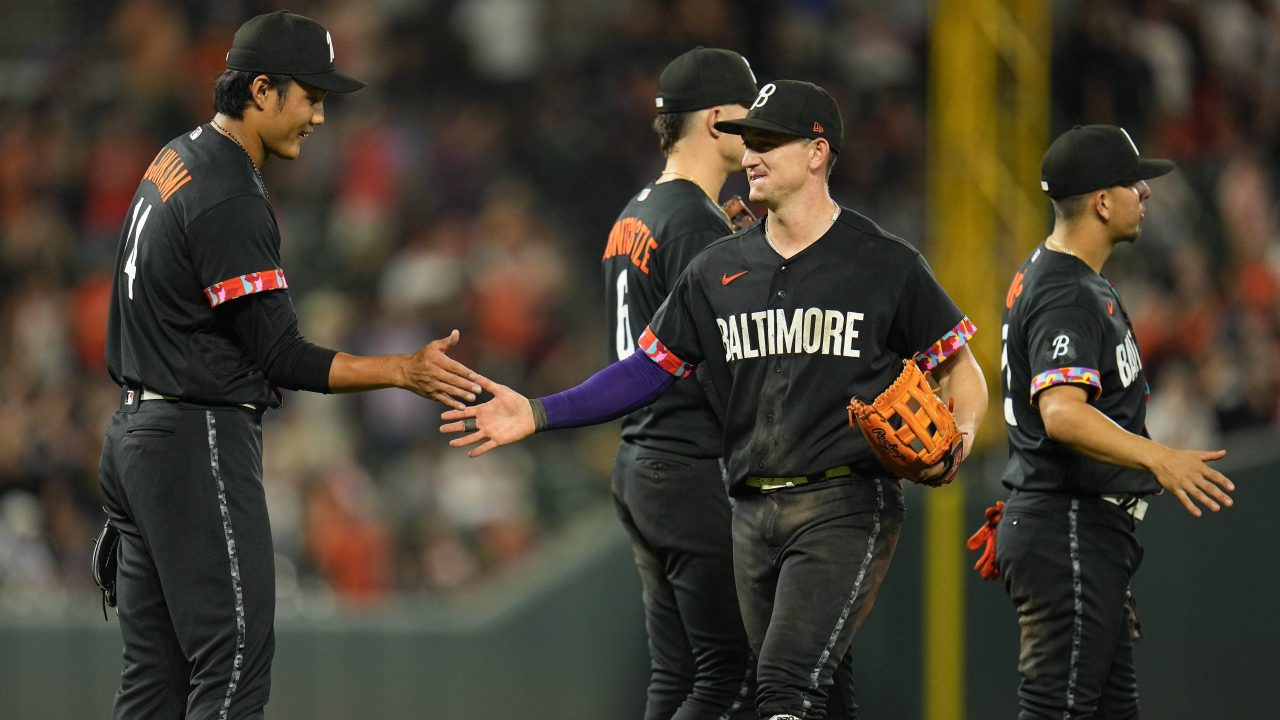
[
  {"x": 676, "y": 511},
  {"x": 196, "y": 591},
  {"x": 1066, "y": 562},
  {"x": 809, "y": 562}
]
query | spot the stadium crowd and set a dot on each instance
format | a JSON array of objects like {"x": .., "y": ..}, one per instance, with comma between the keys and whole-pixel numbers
[{"x": 472, "y": 185}]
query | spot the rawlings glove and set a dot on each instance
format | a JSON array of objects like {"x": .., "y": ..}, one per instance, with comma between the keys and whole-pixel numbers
[
  {"x": 910, "y": 429},
  {"x": 105, "y": 557}
]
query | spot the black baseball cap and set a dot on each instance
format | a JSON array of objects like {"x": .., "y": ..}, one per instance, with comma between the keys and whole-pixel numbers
[
  {"x": 792, "y": 107},
  {"x": 1092, "y": 157},
  {"x": 285, "y": 43},
  {"x": 703, "y": 78}
]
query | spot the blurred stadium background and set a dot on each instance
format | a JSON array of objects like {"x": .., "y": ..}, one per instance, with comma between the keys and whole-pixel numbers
[{"x": 472, "y": 185}]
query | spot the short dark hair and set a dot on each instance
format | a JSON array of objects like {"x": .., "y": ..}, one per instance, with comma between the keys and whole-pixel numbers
[
  {"x": 670, "y": 127},
  {"x": 1071, "y": 207},
  {"x": 232, "y": 91}
]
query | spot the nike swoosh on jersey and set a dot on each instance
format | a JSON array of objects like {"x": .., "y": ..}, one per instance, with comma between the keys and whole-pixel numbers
[{"x": 726, "y": 278}]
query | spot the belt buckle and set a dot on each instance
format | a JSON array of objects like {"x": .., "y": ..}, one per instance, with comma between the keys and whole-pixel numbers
[{"x": 772, "y": 487}]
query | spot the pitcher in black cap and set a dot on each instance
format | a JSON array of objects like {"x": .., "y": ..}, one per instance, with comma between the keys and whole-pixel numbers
[
  {"x": 201, "y": 334},
  {"x": 786, "y": 320},
  {"x": 1081, "y": 465}
]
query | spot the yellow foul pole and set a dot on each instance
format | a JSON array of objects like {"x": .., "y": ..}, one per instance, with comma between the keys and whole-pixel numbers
[{"x": 988, "y": 125}]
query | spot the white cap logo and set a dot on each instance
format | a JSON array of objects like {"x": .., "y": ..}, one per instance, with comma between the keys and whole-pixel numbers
[
  {"x": 1131, "y": 143},
  {"x": 329, "y": 39}
]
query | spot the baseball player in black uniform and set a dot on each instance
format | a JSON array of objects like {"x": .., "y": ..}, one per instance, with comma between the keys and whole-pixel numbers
[
  {"x": 200, "y": 334},
  {"x": 1080, "y": 461},
  {"x": 789, "y": 319},
  {"x": 667, "y": 484}
]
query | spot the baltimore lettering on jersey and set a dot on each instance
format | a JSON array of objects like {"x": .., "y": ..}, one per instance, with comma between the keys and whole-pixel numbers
[
  {"x": 630, "y": 236},
  {"x": 815, "y": 331},
  {"x": 168, "y": 173},
  {"x": 811, "y": 331}
]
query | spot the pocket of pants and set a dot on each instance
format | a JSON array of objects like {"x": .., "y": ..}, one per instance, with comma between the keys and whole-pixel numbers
[
  {"x": 661, "y": 464},
  {"x": 150, "y": 430}
]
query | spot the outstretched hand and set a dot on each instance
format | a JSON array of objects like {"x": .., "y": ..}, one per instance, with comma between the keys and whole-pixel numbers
[
  {"x": 1187, "y": 475},
  {"x": 431, "y": 373},
  {"x": 506, "y": 419}
]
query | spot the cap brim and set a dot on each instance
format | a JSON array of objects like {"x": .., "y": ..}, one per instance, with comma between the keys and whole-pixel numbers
[
  {"x": 331, "y": 81},
  {"x": 1148, "y": 169},
  {"x": 735, "y": 127}
]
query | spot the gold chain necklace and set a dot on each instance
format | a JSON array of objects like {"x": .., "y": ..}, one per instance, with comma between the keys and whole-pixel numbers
[
  {"x": 1059, "y": 247},
  {"x": 262, "y": 184},
  {"x": 697, "y": 184}
]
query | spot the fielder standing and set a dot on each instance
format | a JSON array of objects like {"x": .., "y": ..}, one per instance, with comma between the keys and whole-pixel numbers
[
  {"x": 667, "y": 485},
  {"x": 201, "y": 331},
  {"x": 1080, "y": 462},
  {"x": 790, "y": 318}
]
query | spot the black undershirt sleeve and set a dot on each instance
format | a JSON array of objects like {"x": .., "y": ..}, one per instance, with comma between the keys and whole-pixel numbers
[{"x": 267, "y": 326}]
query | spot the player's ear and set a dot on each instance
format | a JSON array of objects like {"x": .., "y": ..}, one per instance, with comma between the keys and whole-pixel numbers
[
  {"x": 1102, "y": 204},
  {"x": 818, "y": 151},
  {"x": 709, "y": 122}
]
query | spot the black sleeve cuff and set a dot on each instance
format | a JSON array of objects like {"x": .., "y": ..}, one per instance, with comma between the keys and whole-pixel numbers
[{"x": 539, "y": 414}]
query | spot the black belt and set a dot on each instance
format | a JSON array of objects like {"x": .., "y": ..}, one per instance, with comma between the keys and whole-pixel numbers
[
  {"x": 131, "y": 398},
  {"x": 769, "y": 484},
  {"x": 1133, "y": 505}
]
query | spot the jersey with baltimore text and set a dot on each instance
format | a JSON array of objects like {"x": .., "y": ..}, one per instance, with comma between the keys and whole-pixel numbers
[
  {"x": 786, "y": 342},
  {"x": 1064, "y": 325},
  {"x": 652, "y": 241},
  {"x": 199, "y": 233}
]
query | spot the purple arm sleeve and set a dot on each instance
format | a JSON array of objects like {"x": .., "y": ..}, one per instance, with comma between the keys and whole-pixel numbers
[{"x": 611, "y": 393}]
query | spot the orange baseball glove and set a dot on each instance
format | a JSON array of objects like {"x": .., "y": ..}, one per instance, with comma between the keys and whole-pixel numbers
[{"x": 910, "y": 429}]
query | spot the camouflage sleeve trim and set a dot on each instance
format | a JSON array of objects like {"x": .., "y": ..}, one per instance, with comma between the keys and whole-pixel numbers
[
  {"x": 947, "y": 345},
  {"x": 665, "y": 359},
  {"x": 219, "y": 293},
  {"x": 1067, "y": 376}
]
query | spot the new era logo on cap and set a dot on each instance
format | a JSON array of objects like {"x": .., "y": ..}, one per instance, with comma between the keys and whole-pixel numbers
[{"x": 792, "y": 107}]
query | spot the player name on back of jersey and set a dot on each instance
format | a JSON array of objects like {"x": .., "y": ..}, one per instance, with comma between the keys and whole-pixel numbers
[
  {"x": 809, "y": 331},
  {"x": 168, "y": 173},
  {"x": 630, "y": 236}
]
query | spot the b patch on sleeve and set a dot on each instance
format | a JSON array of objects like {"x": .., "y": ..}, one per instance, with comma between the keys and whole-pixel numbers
[{"x": 1061, "y": 349}]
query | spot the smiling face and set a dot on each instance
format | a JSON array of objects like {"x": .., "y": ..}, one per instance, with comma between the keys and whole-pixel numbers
[
  {"x": 777, "y": 165},
  {"x": 289, "y": 117}
]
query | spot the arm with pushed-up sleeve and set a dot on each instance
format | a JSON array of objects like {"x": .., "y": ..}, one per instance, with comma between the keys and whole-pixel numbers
[{"x": 235, "y": 250}]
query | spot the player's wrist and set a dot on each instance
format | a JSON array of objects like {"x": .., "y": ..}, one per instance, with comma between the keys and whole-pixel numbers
[{"x": 539, "y": 414}]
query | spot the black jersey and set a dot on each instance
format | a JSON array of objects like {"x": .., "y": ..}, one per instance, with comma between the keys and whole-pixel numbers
[
  {"x": 199, "y": 233},
  {"x": 651, "y": 243},
  {"x": 1064, "y": 324},
  {"x": 787, "y": 342}
]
